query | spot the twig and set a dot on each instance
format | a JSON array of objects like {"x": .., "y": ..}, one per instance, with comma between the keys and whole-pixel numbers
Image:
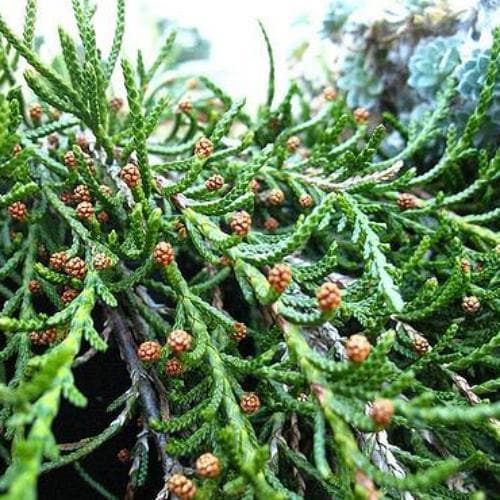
[
  {"x": 83, "y": 447},
  {"x": 322, "y": 339},
  {"x": 295, "y": 445},
  {"x": 90, "y": 353},
  {"x": 460, "y": 382},
  {"x": 131, "y": 485},
  {"x": 140, "y": 378},
  {"x": 378, "y": 176}
]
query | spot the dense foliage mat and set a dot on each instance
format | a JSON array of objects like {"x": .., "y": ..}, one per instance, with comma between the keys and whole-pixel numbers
[{"x": 301, "y": 315}]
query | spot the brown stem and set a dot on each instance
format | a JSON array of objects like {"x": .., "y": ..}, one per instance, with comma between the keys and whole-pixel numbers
[
  {"x": 90, "y": 353},
  {"x": 131, "y": 488},
  {"x": 295, "y": 445},
  {"x": 142, "y": 381}
]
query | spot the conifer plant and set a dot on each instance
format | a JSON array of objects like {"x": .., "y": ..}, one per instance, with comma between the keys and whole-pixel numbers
[{"x": 301, "y": 314}]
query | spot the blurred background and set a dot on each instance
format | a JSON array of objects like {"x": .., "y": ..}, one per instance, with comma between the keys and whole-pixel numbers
[
  {"x": 221, "y": 36},
  {"x": 382, "y": 54}
]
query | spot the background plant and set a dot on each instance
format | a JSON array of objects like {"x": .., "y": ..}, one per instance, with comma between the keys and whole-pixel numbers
[{"x": 397, "y": 56}]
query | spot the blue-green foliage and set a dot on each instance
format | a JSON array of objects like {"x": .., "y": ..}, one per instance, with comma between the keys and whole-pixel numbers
[
  {"x": 471, "y": 78},
  {"x": 432, "y": 62},
  {"x": 359, "y": 81}
]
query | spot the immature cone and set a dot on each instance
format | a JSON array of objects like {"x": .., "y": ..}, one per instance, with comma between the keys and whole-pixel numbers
[
  {"x": 361, "y": 115},
  {"x": 163, "y": 253},
  {"x": 407, "y": 201},
  {"x": 34, "y": 286},
  {"x": 17, "y": 148},
  {"x": 241, "y": 222},
  {"x": 382, "y": 411},
  {"x": 293, "y": 143},
  {"x": 276, "y": 197},
  {"x": 75, "y": 267},
  {"x": 44, "y": 337},
  {"x": 82, "y": 141},
  {"x": 84, "y": 210},
  {"x": 179, "y": 340},
  {"x": 102, "y": 261},
  {"x": 36, "y": 111},
  {"x": 214, "y": 182},
  {"x": 123, "y": 455},
  {"x": 239, "y": 331},
  {"x": 116, "y": 103},
  {"x": 70, "y": 159},
  {"x": 358, "y": 348},
  {"x": 103, "y": 216},
  {"x": 131, "y": 175},
  {"x": 81, "y": 193},
  {"x": 279, "y": 277},
  {"x": 67, "y": 197},
  {"x": 471, "y": 304},
  {"x": 208, "y": 465},
  {"x": 306, "y": 200},
  {"x": 271, "y": 224},
  {"x": 57, "y": 260},
  {"x": 204, "y": 147},
  {"x": 182, "y": 487},
  {"x": 149, "y": 351},
  {"x": 185, "y": 105},
  {"x": 69, "y": 294},
  {"x": 18, "y": 211},
  {"x": 329, "y": 93},
  {"x": 254, "y": 185},
  {"x": 420, "y": 344},
  {"x": 53, "y": 140},
  {"x": 173, "y": 367},
  {"x": 249, "y": 402},
  {"x": 329, "y": 296}
]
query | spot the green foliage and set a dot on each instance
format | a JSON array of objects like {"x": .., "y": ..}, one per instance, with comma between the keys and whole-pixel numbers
[{"x": 337, "y": 238}]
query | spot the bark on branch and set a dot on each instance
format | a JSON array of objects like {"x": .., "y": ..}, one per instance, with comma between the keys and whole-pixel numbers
[{"x": 141, "y": 379}]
